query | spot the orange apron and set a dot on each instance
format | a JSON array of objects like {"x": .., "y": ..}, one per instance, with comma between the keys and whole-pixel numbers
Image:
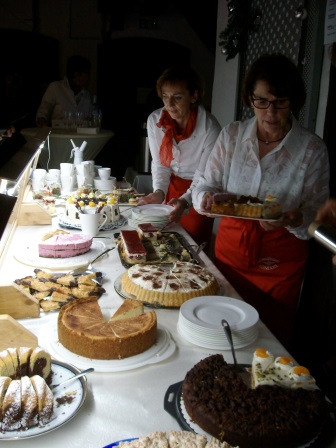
[
  {"x": 198, "y": 226},
  {"x": 265, "y": 268}
]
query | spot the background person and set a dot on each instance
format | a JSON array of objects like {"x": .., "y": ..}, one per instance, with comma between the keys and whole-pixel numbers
[
  {"x": 181, "y": 135},
  {"x": 268, "y": 154},
  {"x": 67, "y": 95}
]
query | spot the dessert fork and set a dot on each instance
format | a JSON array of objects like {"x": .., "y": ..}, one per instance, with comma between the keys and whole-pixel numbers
[{"x": 79, "y": 375}]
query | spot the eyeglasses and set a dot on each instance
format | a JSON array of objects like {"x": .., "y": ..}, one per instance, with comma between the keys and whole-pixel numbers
[{"x": 260, "y": 103}]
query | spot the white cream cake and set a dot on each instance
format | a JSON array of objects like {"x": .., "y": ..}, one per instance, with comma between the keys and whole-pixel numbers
[
  {"x": 281, "y": 371},
  {"x": 88, "y": 199}
]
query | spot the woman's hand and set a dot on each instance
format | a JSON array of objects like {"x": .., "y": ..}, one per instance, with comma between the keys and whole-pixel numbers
[
  {"x": 207, "y": 201},
  {"x": 179, "y": 206},
  {"x": 327, "y": 213},
  {"x": 152, "y": 198}
]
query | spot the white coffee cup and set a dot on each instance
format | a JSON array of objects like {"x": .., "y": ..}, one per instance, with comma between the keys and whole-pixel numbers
[
  {"x": 67, "y": 169},
  {"x": 54, "y": 173},
  {"x": 37, "y": 184},
  {"x": 39, "y": 173},
  {"x": 67, "y": 183},
  {"x": 80, "y": 180},
  {"x": 91, "y": 165},
  {"x": 104, "y": 173},
  {"x": 83, "y": 170},
  {"x": 90, "y": 223}
]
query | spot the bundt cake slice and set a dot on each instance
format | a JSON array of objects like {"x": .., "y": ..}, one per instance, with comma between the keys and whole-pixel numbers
[
  {"x": 11, "y": 407},
  {"x": 45, "y": 399},
  {"x": 28, "y": 403}
]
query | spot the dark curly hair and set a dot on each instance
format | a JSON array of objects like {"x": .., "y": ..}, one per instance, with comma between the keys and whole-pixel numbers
[
  {"x": 282, "y": 76},
  {"x": 182, "y": 74}
]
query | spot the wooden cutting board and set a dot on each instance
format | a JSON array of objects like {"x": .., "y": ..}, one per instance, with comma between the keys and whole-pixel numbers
[
  {"x": 13, "y": 334},
  {"x": 18, "y": 303}
]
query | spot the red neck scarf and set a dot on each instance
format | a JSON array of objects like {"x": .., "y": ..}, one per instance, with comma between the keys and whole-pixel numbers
[{"x": 173, "y": 131}]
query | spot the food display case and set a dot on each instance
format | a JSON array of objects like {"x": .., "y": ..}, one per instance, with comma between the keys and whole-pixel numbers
[
  {"x": 15, "y": 171},
  {"x": 14, "y": 182}
]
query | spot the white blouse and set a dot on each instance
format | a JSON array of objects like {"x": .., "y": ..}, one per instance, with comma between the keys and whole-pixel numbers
[
  {"x": 189, "y": 156},
  {"x": 296, "y": 171},
  {"x": 60, "y": 98}
]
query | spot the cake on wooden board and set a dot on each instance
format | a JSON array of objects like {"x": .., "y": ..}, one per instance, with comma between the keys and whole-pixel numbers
[{"x": 83, "y": 330}]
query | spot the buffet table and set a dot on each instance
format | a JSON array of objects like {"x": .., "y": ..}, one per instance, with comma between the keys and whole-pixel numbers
[
  {"x": 129, "y": 403},
  {"x": 60, "y": 146}
]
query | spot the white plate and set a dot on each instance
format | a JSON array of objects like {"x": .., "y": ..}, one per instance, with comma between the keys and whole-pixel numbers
[
  {"x": 219, "y": 215},
  {"x": 161, "y": 350},
  {"x": 63, "y": 222},
  {"x": 29, "y": 255},
  {"x": 208, "y": 312},
  {"x": 220, "y": 344},
  {"x": 62, "y": 413},
  {"x": 154, "y": 210}
]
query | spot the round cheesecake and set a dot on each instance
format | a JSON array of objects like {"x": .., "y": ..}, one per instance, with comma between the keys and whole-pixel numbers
[
  {"x": 170, "y": 287},
  {"x": 83, "y": 330}
]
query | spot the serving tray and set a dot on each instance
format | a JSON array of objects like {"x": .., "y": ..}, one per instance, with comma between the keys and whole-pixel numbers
[
  {"x": 173, "y": 404},
  {"x": 156, "y": 255}
]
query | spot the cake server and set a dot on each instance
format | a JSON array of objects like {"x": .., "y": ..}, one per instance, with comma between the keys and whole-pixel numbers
[
  {"x": 228, "y": 335},
  {"x": 79, "y": 375},
  {"x": 89, "y": 268}
]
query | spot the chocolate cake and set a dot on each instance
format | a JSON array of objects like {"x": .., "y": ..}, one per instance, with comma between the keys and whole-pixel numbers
[{"x": 219, "y": 401}]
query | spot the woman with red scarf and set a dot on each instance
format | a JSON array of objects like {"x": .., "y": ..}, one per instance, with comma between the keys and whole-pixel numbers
[{"x": 181, "y": 136}]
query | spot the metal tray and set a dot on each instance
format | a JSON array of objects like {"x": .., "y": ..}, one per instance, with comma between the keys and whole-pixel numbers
[
  {"x": 180, "y": 244},
  {"x": 173, "y": 399}
]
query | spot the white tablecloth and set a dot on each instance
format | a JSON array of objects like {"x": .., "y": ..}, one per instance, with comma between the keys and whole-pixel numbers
[{"x": 125, "y": 404}]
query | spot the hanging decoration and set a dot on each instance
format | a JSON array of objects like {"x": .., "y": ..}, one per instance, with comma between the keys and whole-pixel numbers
[{"x": 241, "y": 20}]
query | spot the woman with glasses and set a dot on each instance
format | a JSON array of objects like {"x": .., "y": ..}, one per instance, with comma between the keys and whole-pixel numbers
[{"x": 269, "y": 154}]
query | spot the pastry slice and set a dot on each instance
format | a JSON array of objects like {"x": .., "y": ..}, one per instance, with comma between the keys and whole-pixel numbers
[
  {"x": 11, "y": 407},
  {"x": 7, "y": 360},
  {"x": 4, "y": 383},
  {"x": 158, "y": 440},
  {"x": 41, "y": 295},
  {"x": 45, "y": 399},
  {"x": 59, "y": 297},
  {"x": 130, "y": 308},
  {"x": 186, "y": 439},
  {"x": 29, "y": 404},
  {"x": 49, "y": 305},
  {"x": 66, "y": 280},
  {"x": 87, "y": 279},
  {"x": 3, "y": 368},
  {"x": 15, "y": 361},
  {"x": 43, "y": 274},
  {"x": 24, "y": 358},
  {"x": 40, "y": 363},
  {"x": 52, "y": 233}
]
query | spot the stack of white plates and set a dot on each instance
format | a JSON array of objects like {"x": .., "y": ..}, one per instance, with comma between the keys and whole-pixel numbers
[
  {"x": 105, "y": 184},
  {"x": 200, "y": 322},
  {"x": 156, "y": 214}
]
